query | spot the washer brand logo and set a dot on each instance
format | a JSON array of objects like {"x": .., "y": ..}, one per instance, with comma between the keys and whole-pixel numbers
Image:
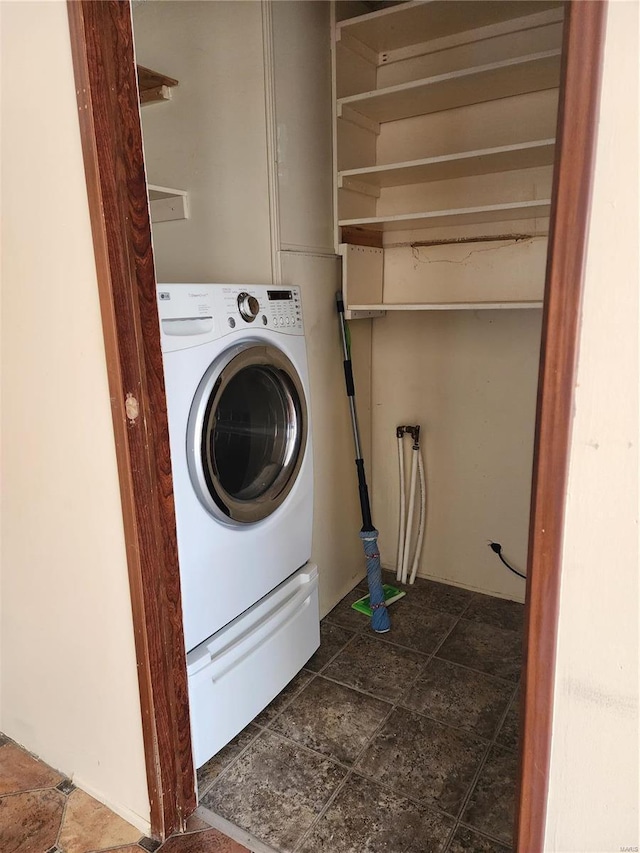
[
  {"x": 198, "y": 295},
  {"x": 164, "y": 295}
]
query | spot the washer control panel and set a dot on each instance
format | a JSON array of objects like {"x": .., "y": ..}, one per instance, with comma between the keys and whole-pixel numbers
[
  {"x": 283, "y": 309},
  {"x": 192, "y": 314},
  {"x": 264, "y": 307}
]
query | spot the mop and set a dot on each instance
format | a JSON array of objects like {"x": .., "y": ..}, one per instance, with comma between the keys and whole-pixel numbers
[{"x": 380, "y": 621}]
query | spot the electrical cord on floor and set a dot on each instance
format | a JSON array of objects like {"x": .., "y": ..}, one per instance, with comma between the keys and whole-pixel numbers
[{"x": 496, "y": 547}]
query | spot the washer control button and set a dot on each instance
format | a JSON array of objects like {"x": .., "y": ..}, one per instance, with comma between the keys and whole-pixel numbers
[
  {"x": 248, "y": 306},
  {"x": 264, "y": 320},
  {"x": 231, "y": 322}
]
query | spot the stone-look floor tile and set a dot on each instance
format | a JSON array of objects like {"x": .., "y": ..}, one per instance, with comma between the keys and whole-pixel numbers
[
  {"x": 364, "y": 817},
  {"x": 491, "y": 805},
  {"x": 275, "y": 790},
  {"x": 417, "y": 628},
  {"x": 378, "y": 668},
  {"x": 460, "y": 697},
  {"x": 210, "y": 841},
  {"x": 496, "y": 611},
  {"x": 487, "y": 648},
  {"x": 424, "y": 760},
  {"x": 466, "y": 841},
  {"x": 332, "y": 639},
  {"x": 509, "y": 734},
  {"x": 88, "y": 825},
  {"x": 345, "y": 616},
  {"x": 29, "y": 823},
  {"x": 437, "y": 596},
  {"x": 332, "y": 719},
  {"x": 284, "y": 697},
  {"x": 209, "y": 772},
  {"x": 20, "y": 771}
]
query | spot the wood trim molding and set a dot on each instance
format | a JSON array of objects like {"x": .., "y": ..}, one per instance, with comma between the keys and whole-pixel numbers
[
  {"x": 106, "y": 86},
  {"x": 571, "y": 202}
]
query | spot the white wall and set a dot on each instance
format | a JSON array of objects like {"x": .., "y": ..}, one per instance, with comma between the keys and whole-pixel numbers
[
  {"x": 337, "y": 548},
  {"x": 303, "y": 165},
  {"x": 210, "y": 139},
  {"x": 593, "y": 794},
  {"x": 69, "y": 681}
]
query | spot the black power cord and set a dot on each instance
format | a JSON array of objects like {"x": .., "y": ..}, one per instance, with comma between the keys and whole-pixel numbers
[{"x": 496, "y": 547}]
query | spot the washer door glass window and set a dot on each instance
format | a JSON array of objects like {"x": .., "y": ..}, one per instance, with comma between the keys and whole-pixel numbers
[{"x": 247, "y": 434}]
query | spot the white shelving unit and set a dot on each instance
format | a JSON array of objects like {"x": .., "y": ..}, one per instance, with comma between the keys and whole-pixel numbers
[
  {"x": 167, "y": 203},
  {"x": 442, "y": 57}
]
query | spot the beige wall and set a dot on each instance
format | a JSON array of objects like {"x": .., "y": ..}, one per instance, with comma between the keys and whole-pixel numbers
[
  {"x": 69, "y": 683},
  {"x": 593, "y": 795},
  {"x": 249, "y": 72},
  {"x": 469, "y": 378},
  {"x": 210, "y": 139}
]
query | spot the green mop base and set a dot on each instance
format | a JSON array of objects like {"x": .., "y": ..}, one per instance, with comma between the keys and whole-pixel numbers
[{"x": 391, "y": 594}]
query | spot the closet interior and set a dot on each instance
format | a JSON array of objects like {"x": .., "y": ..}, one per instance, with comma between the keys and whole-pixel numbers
[{"x": 402, "y": 152}]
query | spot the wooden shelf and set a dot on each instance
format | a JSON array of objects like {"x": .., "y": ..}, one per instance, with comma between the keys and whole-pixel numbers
[
  {"x": 445, "y": 306},
  {"x": 459, "y": 216},
  {"x": 503, "y": 79},
  {"x": 426, "y": 20},
  {"x": 506, "y": 158},
  {"x": 167, "y": 204},
  {"x": 153, "y": 86}
]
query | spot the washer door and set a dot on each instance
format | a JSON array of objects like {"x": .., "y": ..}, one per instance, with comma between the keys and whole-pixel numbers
[{"x": 247, "y": 433}]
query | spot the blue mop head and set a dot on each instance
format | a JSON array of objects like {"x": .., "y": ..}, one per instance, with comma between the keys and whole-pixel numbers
[{"x": 380, "y": 621}]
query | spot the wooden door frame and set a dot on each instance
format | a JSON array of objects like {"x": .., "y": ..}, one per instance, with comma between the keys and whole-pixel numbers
[
  {"x": 106, "y": 85},
  {"x": 107, "y": 95}
]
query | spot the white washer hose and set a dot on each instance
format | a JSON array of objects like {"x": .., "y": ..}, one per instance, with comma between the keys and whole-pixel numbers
[
  {"x": 400, "y": 554},
  {"x": 412, "y": 501},
  {"x": 423, "y": 517}
]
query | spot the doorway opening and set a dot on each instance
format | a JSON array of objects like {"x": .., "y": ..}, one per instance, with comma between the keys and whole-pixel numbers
[{"x": 582, "y": 39}]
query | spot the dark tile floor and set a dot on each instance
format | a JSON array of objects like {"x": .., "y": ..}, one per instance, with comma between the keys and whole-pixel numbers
[{"x": 404, "y": 741}]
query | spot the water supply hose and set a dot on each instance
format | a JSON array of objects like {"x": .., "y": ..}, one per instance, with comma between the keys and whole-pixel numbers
[
  {"x": 423, "y": 517},
  {"x": 410, "y": 511}
]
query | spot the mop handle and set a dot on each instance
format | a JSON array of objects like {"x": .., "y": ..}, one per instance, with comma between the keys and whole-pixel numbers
[{"x": 365, "y": 506}]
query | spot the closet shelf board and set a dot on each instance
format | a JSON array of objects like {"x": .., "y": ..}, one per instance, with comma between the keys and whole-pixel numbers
[
  {"x": 446, "y": 306},
  {"x": 457, "y": 216},
  {"x": 154, "y": 86},
  {"x": 425, "y": 20},
  {"x": 524, "y": 155},
  {"x": 531, "y": 73}
]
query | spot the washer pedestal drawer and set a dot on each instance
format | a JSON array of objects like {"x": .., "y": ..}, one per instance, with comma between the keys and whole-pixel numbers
[{"x": 234, "y": 674}]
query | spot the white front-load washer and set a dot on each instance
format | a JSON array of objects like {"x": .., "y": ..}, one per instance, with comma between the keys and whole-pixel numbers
[{"x": 237, "y": 391}]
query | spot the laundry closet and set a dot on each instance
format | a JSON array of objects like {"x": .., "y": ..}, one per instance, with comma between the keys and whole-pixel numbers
[
  {"x": 403, "y": 152},
  {"x": 442, "y": 194}
]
